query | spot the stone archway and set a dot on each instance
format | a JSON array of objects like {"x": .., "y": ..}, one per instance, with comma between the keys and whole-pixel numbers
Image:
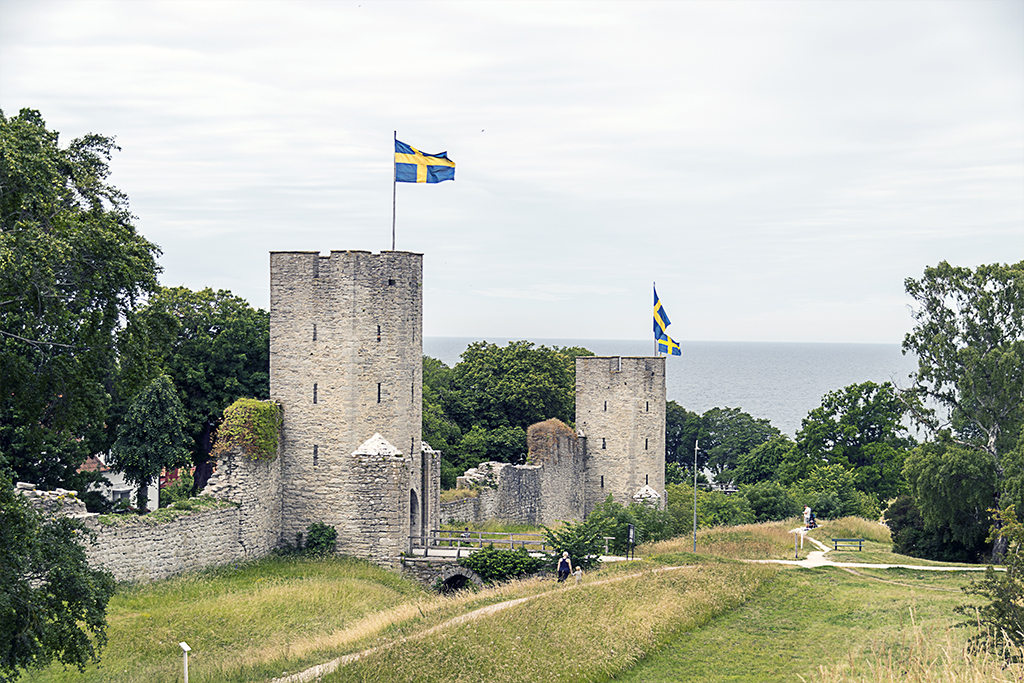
[{"x": 455, "y": 578}]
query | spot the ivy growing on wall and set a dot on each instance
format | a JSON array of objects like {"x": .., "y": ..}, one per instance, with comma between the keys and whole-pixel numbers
[{"x": 252, "y": 427}]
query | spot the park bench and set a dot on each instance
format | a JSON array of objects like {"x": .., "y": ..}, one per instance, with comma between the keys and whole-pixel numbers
[{"x": 859, "y": 542}]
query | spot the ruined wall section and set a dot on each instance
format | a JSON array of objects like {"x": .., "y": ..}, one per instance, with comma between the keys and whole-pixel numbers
[
  {"x": 557, "y": 450},
  {"x": 620, "y": 408},
  {"x": 255, "y": 485},
  {"x": 346, "y": 354}
]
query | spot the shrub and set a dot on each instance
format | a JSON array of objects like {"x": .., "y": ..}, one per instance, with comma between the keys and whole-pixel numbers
[
  {"x": 770, "y": 501},
  {"x": 496, "y": 564},
  {"x": 582, "y": 540},
  {"x": 179, "y": 490},
  {"x": 650, "y": 523},
  {"x": 252, "y": 427},
  {"x": 320, "y": 539}
]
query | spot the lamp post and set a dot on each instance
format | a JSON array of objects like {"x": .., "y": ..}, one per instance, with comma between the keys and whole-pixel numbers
[
  {"x": 185, "y": 649},
  {"x": 696, "y": 445}
]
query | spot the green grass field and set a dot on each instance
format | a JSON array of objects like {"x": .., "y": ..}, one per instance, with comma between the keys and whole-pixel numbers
[{"x": 671, "y": 616}]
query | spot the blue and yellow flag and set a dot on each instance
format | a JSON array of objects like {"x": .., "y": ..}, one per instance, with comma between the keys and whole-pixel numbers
[
  {"x": 413, "y": 166},
  {"x": 667, "y": 345},
  {"x": 661, "y": 322}
]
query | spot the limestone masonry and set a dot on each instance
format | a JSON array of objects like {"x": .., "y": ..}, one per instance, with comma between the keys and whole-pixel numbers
[
  {"x": 346, "y": 363},
  {"x": 618, "y": 449}
]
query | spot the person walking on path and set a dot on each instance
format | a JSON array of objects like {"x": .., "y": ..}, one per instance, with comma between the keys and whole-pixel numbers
[
  {"x": 564, "y": 567},
  {"x": 807, "y": 515}
]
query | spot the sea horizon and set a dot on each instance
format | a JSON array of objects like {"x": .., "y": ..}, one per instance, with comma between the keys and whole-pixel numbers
[{"x": 778, "y": 381}]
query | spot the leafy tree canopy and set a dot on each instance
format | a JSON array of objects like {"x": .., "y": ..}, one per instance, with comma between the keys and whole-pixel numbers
[
  {"x": 215, "y": 347},
  {"x": 52, "y": 604},
  {"x": 969, "y": 340},
  {"x": 764, "y": 461},
  {"x": 682, "y": 429},
  {"x": 728, "y": 433},
  {"x": 861, "y": 428},
  {"x": 480, "y": 409},
  {"x": 72, "y": 267},
  {"x": 152, "y": 436}
]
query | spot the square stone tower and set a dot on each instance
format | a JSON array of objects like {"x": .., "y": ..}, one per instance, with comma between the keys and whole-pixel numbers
[
  {"x": 620, "y": 409},
  {"x": 346, "y": 364}
]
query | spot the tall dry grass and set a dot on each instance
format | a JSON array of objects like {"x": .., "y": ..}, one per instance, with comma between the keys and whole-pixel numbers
[
  {"x": 923, "y": 654},
  {"x": 854, "y": 527},
  {"x": 766, "y": 541},
  {"x": 572, "y": 633}
]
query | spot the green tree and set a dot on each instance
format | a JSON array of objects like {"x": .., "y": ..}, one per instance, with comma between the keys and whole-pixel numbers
[
  {"x": 213, "y": 345},
  {"x": 968, "y": 337},
  {"x": 480, "y": 409},
  {"x": 152, "y": 436},
  {"x": 769, "y": 501},
  {"x": 52, "y": 604},
  {"x": 861, "y": 428},
  {"x": 831, "y": 493},
  {"x": 1001, "y": 621},
  {"x": 953, "y": 487},
  {"x": 728, "y": 433},
  {"x": 72, "y": 268},
  {"x": 584, "y": 541},
  {"x": 763, "y": 462},
  {"x": 682, "y": 429}
]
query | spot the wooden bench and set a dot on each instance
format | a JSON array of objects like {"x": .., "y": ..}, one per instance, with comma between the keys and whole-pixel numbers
[{"x": 859, "y": 542}]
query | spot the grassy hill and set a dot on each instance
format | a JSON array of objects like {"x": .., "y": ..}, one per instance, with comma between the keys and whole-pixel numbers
[{"x": 672, "y": 616}]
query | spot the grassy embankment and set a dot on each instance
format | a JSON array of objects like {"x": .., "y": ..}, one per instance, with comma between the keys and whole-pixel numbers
[{"x": 711, "y": 619}]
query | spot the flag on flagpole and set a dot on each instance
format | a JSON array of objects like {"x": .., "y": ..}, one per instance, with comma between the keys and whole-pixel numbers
[
  {"x": 665, "y": 343},
  {"x": 668, "y": 346},
  {"x": 413, "y": 166}
]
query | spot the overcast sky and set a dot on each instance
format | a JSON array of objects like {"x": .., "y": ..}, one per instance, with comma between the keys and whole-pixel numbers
[{"x": 779, "y": 168}]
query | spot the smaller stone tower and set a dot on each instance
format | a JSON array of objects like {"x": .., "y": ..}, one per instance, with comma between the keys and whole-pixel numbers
[{"x": 620, "y": 409}]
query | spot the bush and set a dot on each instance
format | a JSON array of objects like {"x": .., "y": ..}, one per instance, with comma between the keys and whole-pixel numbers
[
  {"x": 910, "y": 537},
  {"x": 320, "y": 541},
  {"x": 496, "y": 564},
  {"x": 770, "y": 501},
  {"x": 178, "y": 490},
  {"x": 582, "y": 540},
  {"x": 650, "y": 523}
]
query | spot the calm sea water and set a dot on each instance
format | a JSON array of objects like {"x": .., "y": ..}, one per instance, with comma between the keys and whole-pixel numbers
[{"x": 778, "y": 381}]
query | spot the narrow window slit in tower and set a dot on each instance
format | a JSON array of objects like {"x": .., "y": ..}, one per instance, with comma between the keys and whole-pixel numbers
[
  {"x": 316, "y": 455},
  {"x": 647, "y": 479},
  {"x": 602, "y": 481},
  {"x": 645, "y": 444},
  {"x": 606, "y": 406},
  {"x": 378, "y": 332},
  {"x": 604, "y": 444},
  {"x": 314, "y": 392},
  {"x": 647, "y": 407},
  {"x": 390, "y": 281},
  {"x": 378, "y": 392},
  {"x": 314, "y": 331}
]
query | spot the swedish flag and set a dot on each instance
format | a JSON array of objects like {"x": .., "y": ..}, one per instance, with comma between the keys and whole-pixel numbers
[
  {"x": 668, "y": 346},
  {"x": 413, "y": 166},
  {"x": 661, "y": 322}
]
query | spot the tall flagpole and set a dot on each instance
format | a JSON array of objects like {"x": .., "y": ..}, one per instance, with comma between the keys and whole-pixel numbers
[
  {"x": 394, "y": 191},
  {"x": 654, "y": 288}
]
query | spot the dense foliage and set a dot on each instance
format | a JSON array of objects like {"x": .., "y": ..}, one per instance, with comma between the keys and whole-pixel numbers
[
  {"x": 480, "y": 409},
  {"x": 250, "y": 426},
  {"x": 584, "y": 541},
  {"x": 52, "y": 603},
  {"x": 968, "y": 337},
  {"x": 151, "y": 437},
  {"x": 498, "y": 564},
  {"x": 213, "y": 345},
  {"x": 72, "y": 268},
  {"x": 1001, "y": 621}
]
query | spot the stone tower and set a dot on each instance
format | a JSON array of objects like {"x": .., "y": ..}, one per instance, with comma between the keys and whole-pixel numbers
[
  {"x": 620, "y": 409},
  {"x": 346, "y": 361}
]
